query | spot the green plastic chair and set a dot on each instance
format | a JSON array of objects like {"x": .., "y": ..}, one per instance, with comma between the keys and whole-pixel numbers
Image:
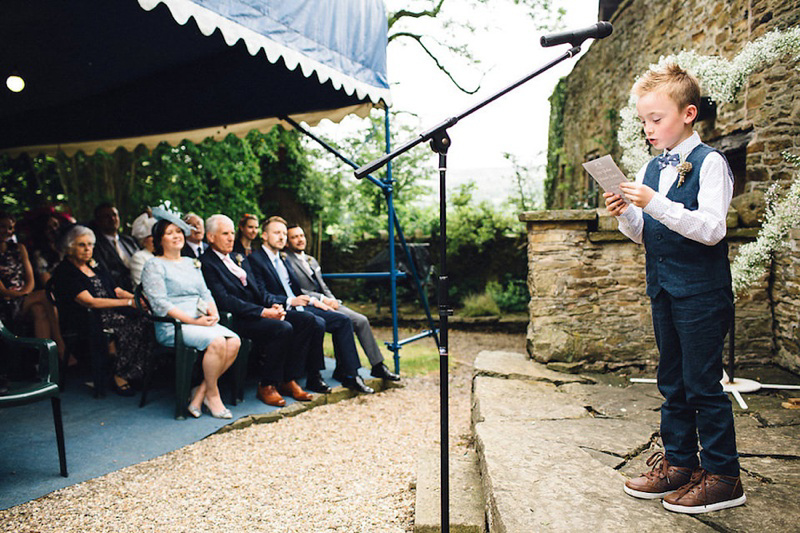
[
  {"x": 185, "y": 359},
  {"x": 46, "y": 387}
]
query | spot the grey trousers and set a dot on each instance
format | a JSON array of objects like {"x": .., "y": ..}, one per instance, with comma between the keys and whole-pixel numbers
[{"x": 364, "y": 334}]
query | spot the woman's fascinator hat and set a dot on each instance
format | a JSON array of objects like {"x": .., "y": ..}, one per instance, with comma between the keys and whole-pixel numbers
[
  {"x": 143, "y": 227},
  {"x": 164, "y": 212}
]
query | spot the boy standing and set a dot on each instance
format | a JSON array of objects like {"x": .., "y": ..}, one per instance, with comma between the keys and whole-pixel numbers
[{"x": 679, "y": 204}]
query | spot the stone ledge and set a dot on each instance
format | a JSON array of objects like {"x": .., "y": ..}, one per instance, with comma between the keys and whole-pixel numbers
[
  {"x": 467, "y": 514},
  {"x": 557, "y": 215},
  {"x": 513, "y": 365},
  {"x": 608, "y": 236},
  {"x": 535, "y": 483}
]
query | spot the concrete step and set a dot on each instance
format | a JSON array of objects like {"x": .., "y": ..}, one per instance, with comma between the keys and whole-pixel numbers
[
  {"x": 467, "y": 512},
  {"x": 549, "y": 456}
]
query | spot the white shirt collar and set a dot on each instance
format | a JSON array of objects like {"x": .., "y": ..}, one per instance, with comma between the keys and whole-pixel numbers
[
  {"x": 272, "y": 255},
  {"x": 686, "y": 146}
]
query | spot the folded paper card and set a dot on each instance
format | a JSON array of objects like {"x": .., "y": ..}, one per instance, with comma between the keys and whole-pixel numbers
[{"x": 607, "y": 174}]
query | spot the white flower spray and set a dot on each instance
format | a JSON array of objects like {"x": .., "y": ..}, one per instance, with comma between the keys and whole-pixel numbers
[
  {"x": 721, "y": 81},
  {"x": 781, "y": 215}
]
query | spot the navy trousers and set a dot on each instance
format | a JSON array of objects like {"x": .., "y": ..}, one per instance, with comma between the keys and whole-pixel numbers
[
  {"x": 340, "y": 327},
  {"x": 690, "y": 334}
]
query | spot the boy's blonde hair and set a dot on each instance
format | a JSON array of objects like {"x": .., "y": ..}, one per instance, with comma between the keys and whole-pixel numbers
[{"x": 672, "y": 80}]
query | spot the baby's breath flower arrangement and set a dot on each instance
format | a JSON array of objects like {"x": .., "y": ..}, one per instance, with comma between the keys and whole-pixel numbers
[
  {"x": 720, "y": 79},
  {"x": 781, "y": 215}
]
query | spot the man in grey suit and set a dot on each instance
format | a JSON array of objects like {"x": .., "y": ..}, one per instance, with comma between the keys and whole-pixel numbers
[{"x": 310, "y": 277}]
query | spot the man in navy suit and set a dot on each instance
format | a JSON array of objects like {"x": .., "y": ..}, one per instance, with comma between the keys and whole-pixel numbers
[
  {"x": 194, "y": 246},
  {"x": 282, "y": 346},
  {"x": 113, "y": 249},
  {"x": 277, "y": 277}
]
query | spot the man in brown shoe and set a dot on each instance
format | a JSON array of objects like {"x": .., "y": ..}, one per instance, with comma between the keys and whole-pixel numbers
[
  {"x": 705, "y": 493},
  {"x": 662, "y": 479},
  {"x": 280, "y": 345}
]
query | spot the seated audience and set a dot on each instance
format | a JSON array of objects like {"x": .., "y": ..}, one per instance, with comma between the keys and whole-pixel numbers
[
  {"x": 194, "y": 246},
  {"x": 142, "y": 231},
  {"x": 46, "y": 230},
  {"x": 309, "y": 275},
  {"x": 246, "y": 234},
  {"x": 174, "y": 287},
  {"x": 277, "y": 277},
  {"x": 81, "y": 283},
  {"x": 112, "y": 249},
  {"x": 19, "y": 303},
  {"x": 281, "y": 349}
]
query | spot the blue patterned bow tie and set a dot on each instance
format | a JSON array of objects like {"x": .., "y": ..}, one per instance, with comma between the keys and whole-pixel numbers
[{"x": 671, "y": 159}]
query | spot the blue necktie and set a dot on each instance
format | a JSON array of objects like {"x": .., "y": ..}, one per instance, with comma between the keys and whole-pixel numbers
[
  {"x": 671, "y": 159},
  {"x": 283, "y": 275}
]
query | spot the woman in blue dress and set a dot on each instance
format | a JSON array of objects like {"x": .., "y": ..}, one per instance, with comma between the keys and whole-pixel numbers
[{"x": 174, "y": 287}]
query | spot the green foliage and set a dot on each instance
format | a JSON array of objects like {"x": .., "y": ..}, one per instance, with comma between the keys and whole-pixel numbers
[
  {"x": 474, "y": 224},
  {"x": 555, "y": 141},
  {"x": 208, "y": 177},
  {"x": 479, "y": 305},
  {"x": 350, "y": 209},
  {"x": 511, "y": 296}
]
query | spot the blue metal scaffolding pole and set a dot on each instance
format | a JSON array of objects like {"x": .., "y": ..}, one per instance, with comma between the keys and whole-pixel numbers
[{"x": 387, "y": 186}]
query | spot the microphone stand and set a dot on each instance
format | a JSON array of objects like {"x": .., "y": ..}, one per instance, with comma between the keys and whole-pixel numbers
[{"x": 439, "y": 143}]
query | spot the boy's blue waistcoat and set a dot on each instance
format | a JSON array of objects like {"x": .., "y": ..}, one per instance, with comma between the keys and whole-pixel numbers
[{"x": 681, "y": 266}]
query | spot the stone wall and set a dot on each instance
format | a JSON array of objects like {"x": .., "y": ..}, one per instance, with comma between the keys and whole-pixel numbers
[
  {"x": 753, "y": 130},
  {"x": 588, "y": 303},
  {"x": 786, "y": 304}
]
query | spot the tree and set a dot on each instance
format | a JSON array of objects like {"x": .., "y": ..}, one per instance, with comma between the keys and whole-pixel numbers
[{"x": 448, "y": 40}]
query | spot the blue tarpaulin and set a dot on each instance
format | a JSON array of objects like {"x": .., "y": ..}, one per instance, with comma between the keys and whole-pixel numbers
[{"x": 108, "y": 73}]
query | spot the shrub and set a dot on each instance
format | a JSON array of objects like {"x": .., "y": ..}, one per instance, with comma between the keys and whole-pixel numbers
[
  {"x": 480, "y": 305},
  {"x": 511, "y": 296}
]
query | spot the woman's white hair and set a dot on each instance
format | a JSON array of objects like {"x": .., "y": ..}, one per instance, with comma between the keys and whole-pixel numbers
[
  {"x": 74, "y": 233},
  {"x": 213, "y": 222}
]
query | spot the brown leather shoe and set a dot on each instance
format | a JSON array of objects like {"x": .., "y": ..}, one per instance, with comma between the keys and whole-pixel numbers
[
  {"x": 662, "y": 479},
  {"x": 291, "y": 388},
  {"x": 269, "y": 395},
  {"x": 706, "y": 492}
]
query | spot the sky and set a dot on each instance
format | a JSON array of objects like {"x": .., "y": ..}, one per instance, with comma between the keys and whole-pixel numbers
[{"x": 516, "y": 123}]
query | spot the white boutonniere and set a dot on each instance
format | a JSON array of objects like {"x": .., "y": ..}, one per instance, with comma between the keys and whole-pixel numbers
[
  {"x": 683, "y": 168},
  {"x": 239, "y": 259},
  {"x": 197, "y": 263},
  {"x": 92, "y": 263},
  {"x": 283, "y": 255}
]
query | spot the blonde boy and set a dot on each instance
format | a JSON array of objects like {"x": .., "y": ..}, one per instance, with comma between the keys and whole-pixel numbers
[{"x": 678, "y": 206}]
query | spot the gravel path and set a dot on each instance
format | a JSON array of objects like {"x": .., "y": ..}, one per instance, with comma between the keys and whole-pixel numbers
[{"x": 346, "y": 467}]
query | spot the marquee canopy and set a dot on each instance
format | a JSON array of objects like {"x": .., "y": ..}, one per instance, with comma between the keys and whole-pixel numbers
[{"x": 110, "y": 73}]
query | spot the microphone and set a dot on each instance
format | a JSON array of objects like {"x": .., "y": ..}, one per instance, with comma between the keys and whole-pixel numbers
[{"x": 600, "y": 30}]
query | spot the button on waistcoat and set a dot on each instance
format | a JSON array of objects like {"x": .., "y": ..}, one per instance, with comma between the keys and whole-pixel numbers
[{"x": 681, "y": 266}]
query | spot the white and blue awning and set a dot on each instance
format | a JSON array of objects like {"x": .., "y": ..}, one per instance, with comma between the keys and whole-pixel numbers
[{"x": 111, "y": 73}]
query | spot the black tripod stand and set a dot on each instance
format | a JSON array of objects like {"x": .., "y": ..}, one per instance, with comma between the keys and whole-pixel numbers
[{"x": 439, "y": 143}]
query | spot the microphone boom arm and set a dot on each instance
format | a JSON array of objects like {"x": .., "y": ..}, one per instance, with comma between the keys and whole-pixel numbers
[{"x": 437, "y": 130}]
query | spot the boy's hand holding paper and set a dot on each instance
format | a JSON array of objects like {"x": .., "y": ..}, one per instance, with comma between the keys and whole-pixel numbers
[{"x": 607, "y": 174}]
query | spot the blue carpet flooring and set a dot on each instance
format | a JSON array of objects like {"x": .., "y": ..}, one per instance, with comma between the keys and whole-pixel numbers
[{"x": 102, "y": 435}]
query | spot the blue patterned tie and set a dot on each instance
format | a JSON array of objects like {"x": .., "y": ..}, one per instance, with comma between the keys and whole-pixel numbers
[{"x": 671, "y": 159}]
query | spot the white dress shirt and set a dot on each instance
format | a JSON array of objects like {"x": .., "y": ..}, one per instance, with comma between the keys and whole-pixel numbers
[
  {"x": 283, "y": 276},
  {"x": 707, "y": 224},
  {"x": 196, "y": 248},
  {"x": 121, "y": 251}
]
